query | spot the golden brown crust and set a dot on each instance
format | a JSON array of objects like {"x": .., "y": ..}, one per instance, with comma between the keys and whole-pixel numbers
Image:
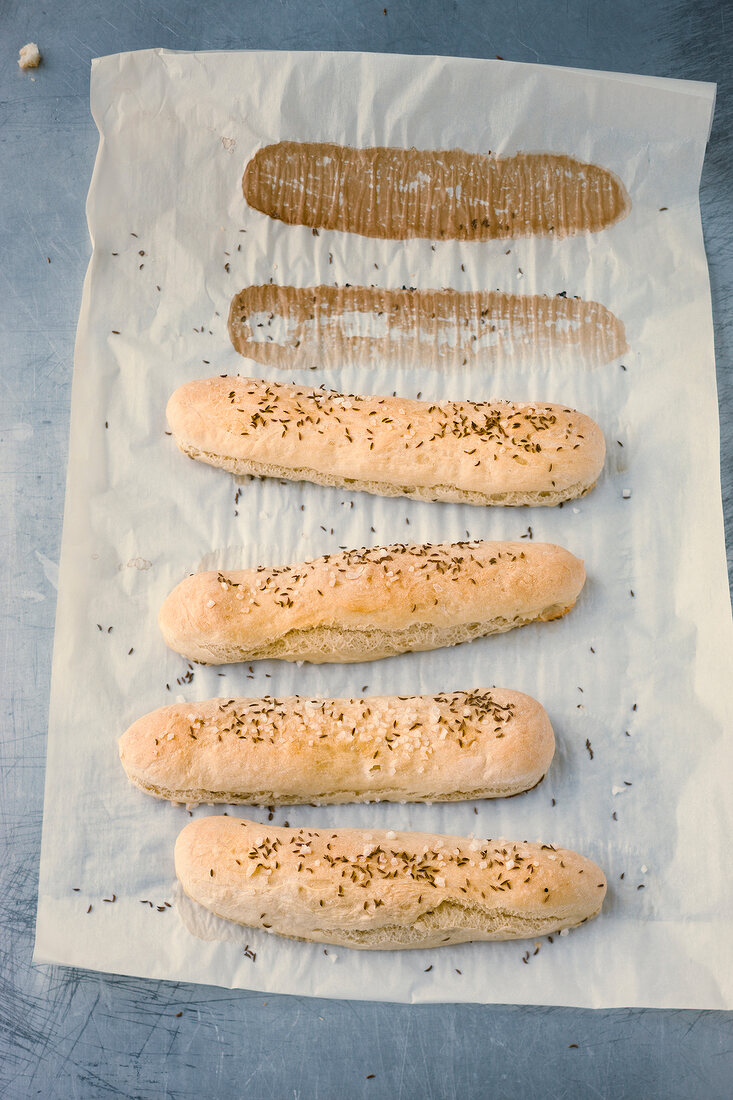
[
  {"x": 465, "y": 744},
  {"x": 363, "y": 604},
  {"x": 325, "y": 326},
  {"x": 383, "y": 890},
  {"x": 395, "y": 194},
  {"x": 488, "y": 452}
]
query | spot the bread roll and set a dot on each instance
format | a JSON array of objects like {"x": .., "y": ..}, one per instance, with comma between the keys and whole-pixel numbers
[
  {"x": 359, "y": 605},
  {"x": 488, "y": 452},
  {"x": 380, "y": 890},
  {"x": 327, "y": 326},
  {"x": 442, "y": 748},
  {"x": 395, "y": 194}
]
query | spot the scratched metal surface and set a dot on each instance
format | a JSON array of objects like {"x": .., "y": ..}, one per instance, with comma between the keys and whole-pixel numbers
[{"x": 67, "y": 1034}]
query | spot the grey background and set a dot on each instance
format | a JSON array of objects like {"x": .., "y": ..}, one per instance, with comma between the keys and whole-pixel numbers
[{"x": 66, "y": 1033}]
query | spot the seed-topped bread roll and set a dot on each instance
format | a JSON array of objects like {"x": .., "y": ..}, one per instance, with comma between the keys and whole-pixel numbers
[
  {"x": 380, "y": 890},
  {"x": 448, "y": 194},
  {"x": 359, "y": 605},
  {"x": 443, "y": 748},
  {"x": 318, "y": 327},
  {"x": 472, "y": 452}
]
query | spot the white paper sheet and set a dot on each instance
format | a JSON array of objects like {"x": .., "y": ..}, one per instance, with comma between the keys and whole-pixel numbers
[{"x": 166, "y": 214}]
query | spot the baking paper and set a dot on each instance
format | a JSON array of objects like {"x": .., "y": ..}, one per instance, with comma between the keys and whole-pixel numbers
[{"x": 636, "y": 679}]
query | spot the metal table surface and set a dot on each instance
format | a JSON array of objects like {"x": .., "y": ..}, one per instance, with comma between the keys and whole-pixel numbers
[{"x": 66, "y": 1033}]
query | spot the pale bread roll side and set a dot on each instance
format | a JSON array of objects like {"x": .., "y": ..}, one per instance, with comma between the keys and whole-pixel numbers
[
  {"x": 471, "y": 452},
  {"x": 441, "y": 748},
  {"x": 318, "y": 327},
  {"x": 378, "y": 890},
  {"x": 360, "y": 605},
  {"x": 448, "y": 194}
]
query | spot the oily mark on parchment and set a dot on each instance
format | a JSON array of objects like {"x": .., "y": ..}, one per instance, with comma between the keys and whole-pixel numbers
[
  {"x": 325, "y": 326},
  {"x": 395, "y": 194}
]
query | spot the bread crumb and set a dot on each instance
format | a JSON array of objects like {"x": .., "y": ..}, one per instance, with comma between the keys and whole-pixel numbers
[{"x": 29, "y": 56}]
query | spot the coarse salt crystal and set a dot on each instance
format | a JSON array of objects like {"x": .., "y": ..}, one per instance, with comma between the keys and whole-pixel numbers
[
  {"x": 564, "y": 931},
  {"x": 211, "y": 603}
]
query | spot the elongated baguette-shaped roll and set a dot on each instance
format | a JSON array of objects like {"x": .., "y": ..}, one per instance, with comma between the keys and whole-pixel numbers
[
  {"x": 326, "y": 326},
  {"x": 359, "y": 605},
  {"x": 448, "y": 194},
  {"x": 473, "y": 452},
  {"x": 383, "y": 890},
  {"x": 443, "y": 748}
]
